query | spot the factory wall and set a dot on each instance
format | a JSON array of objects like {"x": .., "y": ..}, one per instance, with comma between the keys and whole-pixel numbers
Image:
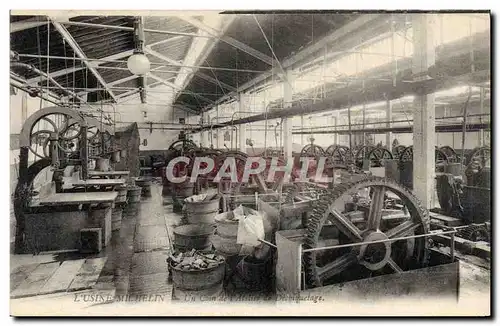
[{"x": 135, "y": 111}]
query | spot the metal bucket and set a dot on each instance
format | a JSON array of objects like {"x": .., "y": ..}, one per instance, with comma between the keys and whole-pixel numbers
[
  {"x": 203, "y": 295},
  {"x": 193, "y": 236},
  {"x": 254, "y": 273},
  {"x": 225, "y": 245},
  {"x": 226, "y": 227},
  {"x": 453, "y": 168},
  {"x": 202, "y": 212},
  {"x": 134, "y": 194},
  {"x": 116, "y": 218},
  {"x": 102, "y": 164},
  {"x": 197, "y": 280},
  {"x": 145, "y": 185}
]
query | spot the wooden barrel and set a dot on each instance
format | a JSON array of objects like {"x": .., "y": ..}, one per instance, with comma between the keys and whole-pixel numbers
[
  {"x": 197, "y": 282},
  {"x": 134, "y": 194},
  {"x": 202, "y": 212},
  {"x": 145, "y": 184},
  {"x": 254, "y": 273},
  {"x": 122, "y": 194},
  {"x": 226, "y": 227},
  {"x": 193, "y": 236},
  {"x": 225, "y": 245},
  {"x": 202, "y": 295},
  {"x": 116, "y": 218},
  {"x": 131, "y": 210}
]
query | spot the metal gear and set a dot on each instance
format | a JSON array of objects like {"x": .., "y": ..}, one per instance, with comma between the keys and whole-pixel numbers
[
  {"x": 323, "y": 267},
  {"x": 474, "y": 233}
]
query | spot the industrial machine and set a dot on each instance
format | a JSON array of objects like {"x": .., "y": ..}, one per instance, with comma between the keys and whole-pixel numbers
[
  {"x": 73, "y": 149},
  {"x": 464, "y": 191}
]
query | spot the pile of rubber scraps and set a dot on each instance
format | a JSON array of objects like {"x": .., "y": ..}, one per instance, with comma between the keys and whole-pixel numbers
[
  {"x": 202, "y": 197},
  {"x": 194, "y": 260}
]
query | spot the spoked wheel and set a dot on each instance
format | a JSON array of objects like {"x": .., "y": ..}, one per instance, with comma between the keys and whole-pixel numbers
[
  {"x": 312, "y": 150},
  {"x": 341, "y": 154},
  {"x": 406, "y": 155},
  {"x": 479, "y": 157},
  {"x": 450, "y": 153},
  {"x": 54, "y": 123},
  {"x": 332, "y": 223},
  {"x": 361, "y": 154},
  {"x": 182, "y": 145},
  {"x": 232, "y": 186},
  {"x": 378, "y": 154},
  {"x": 397, "y": 151},
  {"x": 440, "y": 157},
  {"x": 330, "y": 149}
]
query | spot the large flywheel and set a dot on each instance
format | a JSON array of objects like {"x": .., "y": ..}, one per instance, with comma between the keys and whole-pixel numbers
[{"x": 359, "y": 212}]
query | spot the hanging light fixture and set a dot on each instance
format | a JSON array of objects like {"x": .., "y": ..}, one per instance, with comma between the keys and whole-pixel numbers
[{"x": 138, "y": 63}]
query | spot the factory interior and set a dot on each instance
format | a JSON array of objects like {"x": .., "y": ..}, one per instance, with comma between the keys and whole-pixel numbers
[{"x": 287, "y": 159}]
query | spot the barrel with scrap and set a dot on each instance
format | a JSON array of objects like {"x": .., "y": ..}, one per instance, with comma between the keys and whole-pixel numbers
[
  {"x": 202, "y": 208},
  {"x": 196, "y": 276},
  {"x": 193, "y": 236}
]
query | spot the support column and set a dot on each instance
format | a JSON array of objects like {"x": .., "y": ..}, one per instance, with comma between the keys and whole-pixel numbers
[
  {"x": 424, "y": 133},
  {"x": 242, "y": 128},
  {"x": 287, "y": 122},
  {"x": 302, "y": 128},
  {"x": 364, "y": 122},
  {"x": 388, "y": 117},
  {"x": 335, "y": 121},
  {"x": 217, "y": 133},
  {"x": 481, "y": 111}
]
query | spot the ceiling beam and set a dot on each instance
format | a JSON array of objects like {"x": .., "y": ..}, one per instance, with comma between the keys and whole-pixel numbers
[
  {"x": 199, "y": 51},
  {"x": 68, "y": 71},
  {"x": 216, "y": 81},
  {"x": 55, "y": 74},
  {"x": 180, "y": 64},
  {"x": 78, "y": 51},
  {"x": 229, "y": 40},
  {"x": 167, "y": 40},
  {"x": 167, "y": 83},
  {"x": 117, "y": 56},
  {"x": 126, "y": 28},
  {"x": 163, "y": 57},
  {"x": 27, "y": 24},
  {"x": 121, "y": 81},
  {"x": 350, "y": 29}
]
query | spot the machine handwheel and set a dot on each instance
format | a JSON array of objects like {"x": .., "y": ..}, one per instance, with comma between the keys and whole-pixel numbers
[{"x": 332, "y": 223}]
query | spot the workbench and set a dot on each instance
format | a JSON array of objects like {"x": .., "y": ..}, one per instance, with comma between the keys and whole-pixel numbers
[
  {"x": 94, "y": 173},
  {"x": 58, "y": 199},
  {"x": 98, "y": 183}
]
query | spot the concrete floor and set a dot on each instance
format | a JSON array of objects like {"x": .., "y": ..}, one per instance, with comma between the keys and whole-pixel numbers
[{"x": 137, "y": 265}]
